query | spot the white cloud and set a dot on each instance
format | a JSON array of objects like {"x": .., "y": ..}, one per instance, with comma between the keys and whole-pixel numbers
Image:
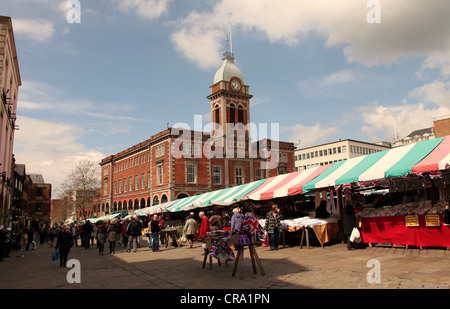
[
  {"x": 437, "y": 92},
  {"x": 50, "y": 148},
  {"x": 36, "y": 30},
  {"x": 309, "y": 135},
  {"x": 150, "y": 9},
  {"x": 407, "y": 28}
]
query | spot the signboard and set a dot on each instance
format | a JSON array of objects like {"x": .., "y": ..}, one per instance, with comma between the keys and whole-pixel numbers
[
  {"x": 412, "y": 221},
  {"x": 432, "y": 220}
]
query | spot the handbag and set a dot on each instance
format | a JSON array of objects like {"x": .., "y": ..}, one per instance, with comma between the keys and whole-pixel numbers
[
  {"x": 55, "y": 255},
  {"x": 355, "y": 235}
]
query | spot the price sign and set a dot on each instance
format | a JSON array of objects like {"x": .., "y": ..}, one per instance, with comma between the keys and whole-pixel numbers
[
  {"x": 412, "y": 221},
  {"x": 432, "y": 220}
]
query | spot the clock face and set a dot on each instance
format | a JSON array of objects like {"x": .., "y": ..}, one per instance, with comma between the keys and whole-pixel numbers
[{"x": 235, "y": 85}]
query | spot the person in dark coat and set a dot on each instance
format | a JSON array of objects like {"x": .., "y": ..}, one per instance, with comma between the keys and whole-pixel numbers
[
  {"x": 349, "y": 222},
  {"x": 87, "y": 230},
  {"x": 65, "y": 241},
  {"x": 154, "y": 225},
  {"x": 101, "y": 236},
  {"x": 321, "y": 210}
]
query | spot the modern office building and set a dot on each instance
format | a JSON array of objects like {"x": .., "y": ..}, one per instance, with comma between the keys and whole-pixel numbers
[{"x": 335, "y": 151}]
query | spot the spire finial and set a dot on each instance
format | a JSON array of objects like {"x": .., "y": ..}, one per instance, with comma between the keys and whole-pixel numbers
[{"x": 229, "y": 50}]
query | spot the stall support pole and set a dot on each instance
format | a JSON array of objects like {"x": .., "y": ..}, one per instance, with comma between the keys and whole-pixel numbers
[{"x": 339, "y": 200}]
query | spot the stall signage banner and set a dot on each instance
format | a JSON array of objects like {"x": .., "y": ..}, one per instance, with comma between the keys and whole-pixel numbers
[
  {"x": 432, "y": 220},
  {"x": 412, "y": 221}
]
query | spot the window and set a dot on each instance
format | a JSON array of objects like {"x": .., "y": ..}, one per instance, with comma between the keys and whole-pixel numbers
[
  {"x": 190, "y": 173},
  {"x": 339, "y": 149},
  {"x": 344, "y": 149},
  {"x": 217, "y": 175},
  {"x": 239, "y": 176},
  {"x": 142, "y": 181},
  {"x": 160, "y": 174},
  {"x": 148, "y": 179},
  {"x": 125, "y": 185},
  {"x": 258, "y": 174},
  {"x": 240, "y": 114},
  {"x": 120, "y": 186},
  {"x": 217, "y": 114},
  {"x": 136, "y": 181},
  {"x": 232, "y": 114},
  {"x": 105, "y": 187},
  {"x": 115, "y": 186},
  {"x": 320, "y": 153},
  {"x": 131, "y": 183}
]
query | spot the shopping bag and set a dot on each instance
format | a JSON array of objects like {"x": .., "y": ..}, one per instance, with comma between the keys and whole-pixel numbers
[
  {"x": 355, "y": 235},
  {"x": 55, "y": 255},
  {"x": 183, "y": 238}
]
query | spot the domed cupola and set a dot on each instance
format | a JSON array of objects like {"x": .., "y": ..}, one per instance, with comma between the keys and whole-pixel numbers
[{"x": 228, "y": 70}]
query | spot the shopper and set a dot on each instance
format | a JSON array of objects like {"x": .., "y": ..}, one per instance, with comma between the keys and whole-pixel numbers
[
  {"x": 204, "y": 226},
  {"x": 190, "y": 229},
  {"x": 133, "y": 231},
  {"x": 64, "y": 242},
  {"x": 273, "y": 226},
  {"x": 113, "y": 235},
  {"x": 215, "y": 222},
  {"x": 124, "y": 233},
  {"x": 101, "y": 236},
  {"x": 236, "y": 221},
  {"x": 87, "y": 230},
  {"x": 154, "y": 225},
  {"x": 349, "y": 222}
]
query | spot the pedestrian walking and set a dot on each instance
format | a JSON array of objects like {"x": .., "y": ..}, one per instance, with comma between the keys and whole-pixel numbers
[
  {"x": 51, "y": 236},
  {"x": 133, "y": 231},
  {"x": 273, "y": 226},
  {"x": 204, "y": 226},
  {"x": 236, "y": 221},
  {"x": 101, "y": 236},
  {"x": 87, "y": 230},
  {"x": 64, "y": 243},
  {"x": 190, "y": 229},
  {"x": 348, "y": 223},
  {"x": 74, "y": 232},
  {"x": 30, "y": 235},
  {"x": 124, "y": 233},
  {"x": 154, "y": 225},
  {"x": 113, "y": 235}
]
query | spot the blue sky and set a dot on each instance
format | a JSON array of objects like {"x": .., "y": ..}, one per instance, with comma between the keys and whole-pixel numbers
[{"x": 318, "y": 68}]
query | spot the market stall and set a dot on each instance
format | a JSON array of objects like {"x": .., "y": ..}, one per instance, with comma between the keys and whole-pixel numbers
[{"x": 411, "y": 171}]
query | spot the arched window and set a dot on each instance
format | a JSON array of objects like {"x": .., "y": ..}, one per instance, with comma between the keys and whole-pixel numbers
[
  {"x": 232, "y": 113},
  {"x": 163, "y": 198},
  {"x": 155, "y": 200},
  {"x": 240, "y": 114}
]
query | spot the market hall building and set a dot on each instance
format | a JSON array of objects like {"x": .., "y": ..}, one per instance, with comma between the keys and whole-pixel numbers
[{"x": 149, "y": 173}]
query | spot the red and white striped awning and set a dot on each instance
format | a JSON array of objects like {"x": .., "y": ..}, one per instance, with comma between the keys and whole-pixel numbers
[{"x": 286, "y": 184}]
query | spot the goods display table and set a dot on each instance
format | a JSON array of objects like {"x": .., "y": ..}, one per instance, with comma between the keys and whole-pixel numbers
[
  {"x": 418, "y": 231},
  {"x": 253, "y": 256},
  {"x": 324, "y": 229}
]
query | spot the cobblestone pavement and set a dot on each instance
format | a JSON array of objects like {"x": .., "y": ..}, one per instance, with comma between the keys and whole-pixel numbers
[{"x": 331, "y": 267}]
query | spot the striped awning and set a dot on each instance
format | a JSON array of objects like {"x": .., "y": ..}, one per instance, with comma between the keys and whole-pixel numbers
[
  {"x": 438, "y": 159},
  {"x": 285, "y": 185},
  {"x": 390, "y": 163}
]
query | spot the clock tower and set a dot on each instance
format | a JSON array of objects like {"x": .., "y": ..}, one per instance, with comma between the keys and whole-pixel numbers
[{"x": 230, "y": 108}]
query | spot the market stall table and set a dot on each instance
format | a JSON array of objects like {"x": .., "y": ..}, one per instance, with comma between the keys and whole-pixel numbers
[
  {"x": 253, "y": 256},
  {"x": 394, "y": 230},
  {"x": 324, "y": 229}
]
